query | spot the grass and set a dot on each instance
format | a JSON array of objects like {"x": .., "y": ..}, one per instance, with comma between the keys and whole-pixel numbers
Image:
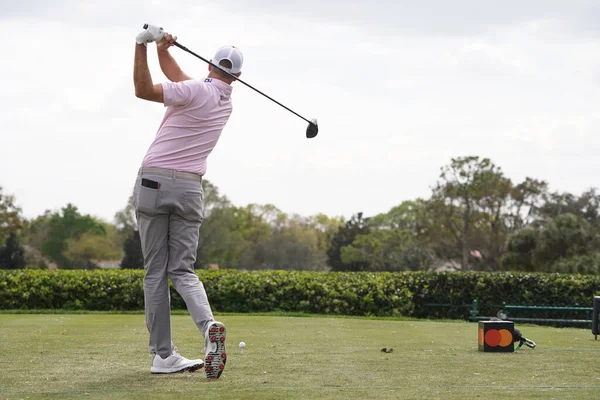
[{"x": 104, "y": 356}]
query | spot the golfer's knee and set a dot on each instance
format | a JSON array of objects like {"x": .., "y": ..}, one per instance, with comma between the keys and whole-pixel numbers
[
  {"x": 184, "y": 278},
  {"x": 156, "y": 288}
]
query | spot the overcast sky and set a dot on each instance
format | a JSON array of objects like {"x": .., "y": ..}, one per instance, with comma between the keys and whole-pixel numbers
[{"x": 398, "y": 87}]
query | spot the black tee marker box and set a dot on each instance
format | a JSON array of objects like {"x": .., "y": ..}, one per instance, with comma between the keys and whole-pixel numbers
[{"x": 496, "y": 336}]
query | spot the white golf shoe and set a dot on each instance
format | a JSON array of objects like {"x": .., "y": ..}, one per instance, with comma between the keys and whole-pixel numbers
[
  {"x": 174, "y": 363},
  {"x": 216, "y": 355}
]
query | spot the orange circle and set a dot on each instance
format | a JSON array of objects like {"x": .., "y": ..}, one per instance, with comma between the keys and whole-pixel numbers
[
  {"x": 492, "y": 338},
  {"x": 480, "y": 336},
  {"x": 505, "y": 338}
]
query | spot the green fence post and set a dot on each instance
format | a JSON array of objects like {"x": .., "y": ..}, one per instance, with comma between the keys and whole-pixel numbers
[{"x": 474, "y": 311}]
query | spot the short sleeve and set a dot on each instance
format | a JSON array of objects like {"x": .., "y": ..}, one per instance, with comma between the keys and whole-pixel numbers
[{"x": 180, "y": 93}]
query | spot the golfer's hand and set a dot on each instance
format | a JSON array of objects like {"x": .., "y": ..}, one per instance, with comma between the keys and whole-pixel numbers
[
  {"x": 151, "y": 34},
  {"x": 167, "y": 41}
]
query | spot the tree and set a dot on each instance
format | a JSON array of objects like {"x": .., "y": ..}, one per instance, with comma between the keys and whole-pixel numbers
[
  {"x": 553, "y": 247},
  {"x": 255, "y": 223},
  {"x": 588, "y": 263},
  {"x": 388, "y": 250},
  {"x": 439, "y": 229},
  {"x": 525, "y": 201},
  {"x": 586, "y": 206},
  {"x": 212, "y": 198},
  {"x": 125, "y": 221},
  {"x": 479, "y": 208},
  {"x": 344, "y": 237},
  {"x": 221, "y": 242},
  {"x": 125, "y": 218},
  {"x": 292, "y": 244},
  {"x": 262, "y": 237},
  {"x": 81, "y": 252},
  {"x": 259, "y": 224},
  {"x": 65, "y": 225},
  {"x": 133, "y": 258},
  {"x": 126, "y": 224},
  {"x": 424, "y": 233},
  {"x": 12, "y": 255},
  {"x": 325, "y": 228},
  {"x": 503, "y": 209},
  {"x": 378, "y": 250},
  {"x": 520, "y": 250},
  {"x": 218, "y": 243},
  {"x": 36, "y": 230},
  {"x": 416, "y": 257},
  {"x": 404, "y": 216},
  {"x": 462, "y": 185},
  {"x": 566, "y": 236},
  {"x": 10, "y": 216}
]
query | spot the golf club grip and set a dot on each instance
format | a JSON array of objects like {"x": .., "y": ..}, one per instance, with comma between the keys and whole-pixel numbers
[{"x": 182, "y": 47}]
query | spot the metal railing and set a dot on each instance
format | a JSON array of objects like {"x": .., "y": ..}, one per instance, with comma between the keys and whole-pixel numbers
[
  {"x": 592, "y": 314},
  {"x": 506, "y": 308}
]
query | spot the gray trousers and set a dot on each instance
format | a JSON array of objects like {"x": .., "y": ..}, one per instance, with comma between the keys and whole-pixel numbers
[{"x": 169, "y": 210}]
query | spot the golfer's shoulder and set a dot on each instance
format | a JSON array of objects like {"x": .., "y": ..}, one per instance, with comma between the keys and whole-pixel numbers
[
  {"x": 193, "y": 82},
  {"x": 203, "y": 84},
  {"x": 185, "y": 83},
  {"x": 193, "y": 85}
]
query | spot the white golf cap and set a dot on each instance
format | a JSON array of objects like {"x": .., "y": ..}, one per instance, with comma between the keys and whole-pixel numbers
[{"x": 231, "y": 53}]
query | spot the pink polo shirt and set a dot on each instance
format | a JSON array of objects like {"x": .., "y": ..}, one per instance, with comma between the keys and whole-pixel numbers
[{"x": 197, "y": 112}]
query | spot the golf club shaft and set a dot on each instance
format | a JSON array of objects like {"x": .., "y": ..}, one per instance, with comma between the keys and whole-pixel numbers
[{"x": 241, "y": 81}]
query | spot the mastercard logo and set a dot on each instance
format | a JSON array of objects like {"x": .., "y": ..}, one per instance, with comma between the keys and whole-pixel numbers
[{"x": 496, "y": 337}]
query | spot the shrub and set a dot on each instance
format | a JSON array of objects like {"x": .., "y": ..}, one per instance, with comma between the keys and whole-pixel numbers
[{"x": 346, "y": 293}]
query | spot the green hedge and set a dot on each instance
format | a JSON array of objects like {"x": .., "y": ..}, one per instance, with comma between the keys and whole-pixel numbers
[{"x": 358, "y": 293}]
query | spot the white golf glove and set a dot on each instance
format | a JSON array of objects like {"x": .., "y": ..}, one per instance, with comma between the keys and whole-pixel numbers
[{"x": 150, "y": 34}]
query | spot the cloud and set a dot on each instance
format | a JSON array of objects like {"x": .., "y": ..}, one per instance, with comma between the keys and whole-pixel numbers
[{"x": 399, "y": 88}]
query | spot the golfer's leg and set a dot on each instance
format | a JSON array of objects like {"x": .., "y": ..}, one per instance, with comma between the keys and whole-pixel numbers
[
  {"x": 184, "y": 229},
  {"x": 182, "y": 256},
  {"x": 153, "y": 227}
]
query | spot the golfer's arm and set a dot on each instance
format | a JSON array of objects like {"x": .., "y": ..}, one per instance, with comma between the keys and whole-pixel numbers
[
  {"x": 170, "y": 67},
  {"x": 142, "y": 80}
]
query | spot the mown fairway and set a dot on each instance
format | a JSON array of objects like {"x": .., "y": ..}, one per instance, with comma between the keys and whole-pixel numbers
[{"x": 104, "y": 356}]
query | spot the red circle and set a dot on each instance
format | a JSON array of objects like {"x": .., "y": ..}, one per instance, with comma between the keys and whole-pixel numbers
[{"x": 493, "y": 338}]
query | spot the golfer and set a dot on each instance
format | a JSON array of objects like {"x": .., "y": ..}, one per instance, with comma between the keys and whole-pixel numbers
[{"x": 168, "y": 195}]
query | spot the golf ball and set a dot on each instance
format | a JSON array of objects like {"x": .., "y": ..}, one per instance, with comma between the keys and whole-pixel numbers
[{"x": 242, "y": 345}]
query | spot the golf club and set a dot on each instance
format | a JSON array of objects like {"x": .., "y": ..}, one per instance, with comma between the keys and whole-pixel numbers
[{"x": 311, "y": 131}]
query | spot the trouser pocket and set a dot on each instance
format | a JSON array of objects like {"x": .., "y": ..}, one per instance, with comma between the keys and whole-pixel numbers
[
  {"x": 145, "y": 197},
  {"x": 193, "y": 200}
]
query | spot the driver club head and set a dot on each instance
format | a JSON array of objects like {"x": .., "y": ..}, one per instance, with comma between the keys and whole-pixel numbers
[{"x": 312, "y": 130}]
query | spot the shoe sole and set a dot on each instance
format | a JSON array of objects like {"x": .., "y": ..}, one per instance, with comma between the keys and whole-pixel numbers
[
  {"x": 191, "y": 368},
  {"x": 214, "y": 361}
]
